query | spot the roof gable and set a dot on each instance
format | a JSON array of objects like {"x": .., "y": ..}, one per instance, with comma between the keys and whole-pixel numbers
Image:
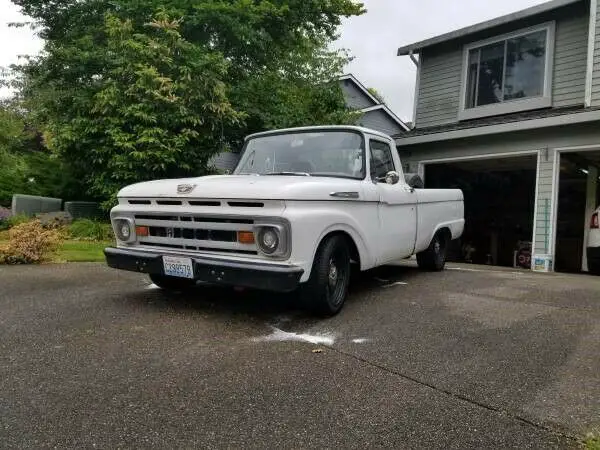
[{"x": 473, "y": 29}]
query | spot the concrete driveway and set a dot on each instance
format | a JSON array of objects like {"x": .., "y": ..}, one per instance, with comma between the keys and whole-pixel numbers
[{"x": 467, "y": 358}]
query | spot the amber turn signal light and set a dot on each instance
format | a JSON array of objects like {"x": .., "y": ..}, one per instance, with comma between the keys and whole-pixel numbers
[
  {"x": 142, "y": 231},
  {"x": 245, "y": 237}
]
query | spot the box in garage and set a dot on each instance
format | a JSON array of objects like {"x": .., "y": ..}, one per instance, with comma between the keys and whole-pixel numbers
[{"x": 541, "y": 263}]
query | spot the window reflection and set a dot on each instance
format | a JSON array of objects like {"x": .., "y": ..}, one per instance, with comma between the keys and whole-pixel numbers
[{"x": 507, "y": 70}]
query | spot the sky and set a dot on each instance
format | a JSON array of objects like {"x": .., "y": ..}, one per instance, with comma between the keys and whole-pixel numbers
[{"x": 372, "y": 39}]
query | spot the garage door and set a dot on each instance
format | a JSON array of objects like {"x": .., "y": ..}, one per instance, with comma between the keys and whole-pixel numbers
[{"x": 499, "y": 207}]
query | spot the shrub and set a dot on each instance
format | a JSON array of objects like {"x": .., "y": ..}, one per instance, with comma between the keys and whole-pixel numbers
[
  {"x": 19, "y": 219},
  {"x": 30, "y": 243},
  {"x": 91, "y": 230}
]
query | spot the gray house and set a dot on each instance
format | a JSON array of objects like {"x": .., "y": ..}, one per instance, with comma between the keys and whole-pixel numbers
[
  {"x": 374, "y": 114},
  {"x": 509, "y": 111}
]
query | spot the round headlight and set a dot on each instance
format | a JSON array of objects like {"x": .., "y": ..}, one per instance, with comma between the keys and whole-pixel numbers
[
  {"x": 123, "y": 229},
  {"x": 268, "y": 240}
]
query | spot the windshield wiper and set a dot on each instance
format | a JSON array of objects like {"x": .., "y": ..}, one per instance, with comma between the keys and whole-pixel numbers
[{"x": 295, "y": 174}]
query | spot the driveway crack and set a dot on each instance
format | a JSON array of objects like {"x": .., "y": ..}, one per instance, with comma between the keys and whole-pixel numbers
[{"x": 460, "y": 397}]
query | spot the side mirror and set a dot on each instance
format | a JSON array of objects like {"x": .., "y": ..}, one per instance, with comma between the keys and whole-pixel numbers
[{"x": 392, "y": 177}]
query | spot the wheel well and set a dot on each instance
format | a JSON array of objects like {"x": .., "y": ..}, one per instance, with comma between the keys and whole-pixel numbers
[
  {"x": 445, "y": 233},
  {"x": 354, "y": 254}
]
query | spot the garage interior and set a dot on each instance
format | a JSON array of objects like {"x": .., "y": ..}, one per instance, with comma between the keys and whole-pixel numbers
[
  {"x": 499, "y": 208},
  {"x": 578, "y": 197}
]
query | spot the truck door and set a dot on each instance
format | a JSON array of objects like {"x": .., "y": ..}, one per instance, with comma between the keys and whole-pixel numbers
[{"x": 397, "y": 206}]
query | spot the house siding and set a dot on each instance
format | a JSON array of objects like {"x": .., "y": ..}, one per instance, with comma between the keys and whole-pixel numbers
[
  {"x": 439, "y": 88},
  {"x": 544, "y": 142},
  {"x": 355, "y": 98},
  {"x": 441, "y": 69},
  {"x": 380, "y": 121},
  {"x": 570, "y": 61},
  {"x": 595, "y": 100}
]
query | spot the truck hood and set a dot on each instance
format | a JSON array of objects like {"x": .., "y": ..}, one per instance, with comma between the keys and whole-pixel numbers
[{"x": 276, "y": 187}]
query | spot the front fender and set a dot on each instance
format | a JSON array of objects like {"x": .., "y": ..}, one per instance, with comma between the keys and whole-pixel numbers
[{"x": 312, "y": 221}]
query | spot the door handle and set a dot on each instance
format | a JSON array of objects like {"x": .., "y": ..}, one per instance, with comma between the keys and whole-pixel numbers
[{"x": 344, "y": 194}]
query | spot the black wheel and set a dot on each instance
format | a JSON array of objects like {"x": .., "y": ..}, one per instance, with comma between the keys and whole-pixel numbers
[
  {"x": 172, "y": 283},
  {"x": 434, "y": 258},
  {"x": 326, "y": 290}
]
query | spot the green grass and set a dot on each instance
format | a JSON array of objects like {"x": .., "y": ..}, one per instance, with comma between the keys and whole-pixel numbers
[
  {"x": 81, "y": 251},
  {"x": 593, "y": 443}
]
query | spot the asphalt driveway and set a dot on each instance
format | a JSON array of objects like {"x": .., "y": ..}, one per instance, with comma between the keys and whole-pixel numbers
[{"x": 468, "y": 358}]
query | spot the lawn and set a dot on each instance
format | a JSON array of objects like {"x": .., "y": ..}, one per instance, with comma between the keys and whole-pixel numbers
[
  {"x": 593, "y": 442},
  {"x": 75, "y": 251},
  {"x": 81, "y": 251}
]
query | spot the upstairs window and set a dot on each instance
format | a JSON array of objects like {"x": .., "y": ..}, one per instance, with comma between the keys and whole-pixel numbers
[{"x": 508, "y": 74}]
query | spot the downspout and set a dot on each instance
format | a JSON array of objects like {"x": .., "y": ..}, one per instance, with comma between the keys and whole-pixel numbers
[{"x": 417, "y": 64}]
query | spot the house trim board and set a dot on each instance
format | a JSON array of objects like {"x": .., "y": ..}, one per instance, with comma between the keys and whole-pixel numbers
[
  {"x": 389, "y": 112},
  {"x": 589, "y": 74},
  {"x": 531, "y": 124},
  {"x": 556, "y": 181}
]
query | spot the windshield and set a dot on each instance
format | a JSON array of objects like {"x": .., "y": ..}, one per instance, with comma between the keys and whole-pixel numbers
[{"x": 322, "y": 153}]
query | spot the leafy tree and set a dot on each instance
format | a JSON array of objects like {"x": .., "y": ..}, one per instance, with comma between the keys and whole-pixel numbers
[
  {"x": 375, "y": 93},
  {"x": 26, "y": 166},
  {"x": 129, "y": 90}
]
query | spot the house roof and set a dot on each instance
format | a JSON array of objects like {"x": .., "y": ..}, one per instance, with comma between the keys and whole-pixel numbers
[
  {"x": 523, "y": 14},
  {"x": 499, "y": 124},
  {"x": 389, "y": 112},
  {"x": 378, "y": 105},
  {"x": 361, "y": 87},
  {"x": 494, "y": 120}
]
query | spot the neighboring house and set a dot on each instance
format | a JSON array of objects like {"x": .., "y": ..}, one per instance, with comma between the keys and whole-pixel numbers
[
  {"x": 509, "y": 111},
  {"x": 373, "y": 114}
]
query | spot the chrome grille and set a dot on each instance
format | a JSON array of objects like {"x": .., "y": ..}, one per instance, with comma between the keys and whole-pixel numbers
[{"x": 205, "y": 233}]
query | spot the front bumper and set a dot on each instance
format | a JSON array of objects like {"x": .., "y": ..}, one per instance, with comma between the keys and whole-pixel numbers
[{"x": 270, "y": 277}]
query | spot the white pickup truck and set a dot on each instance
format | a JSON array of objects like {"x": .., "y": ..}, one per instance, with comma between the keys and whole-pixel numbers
[{"x": 302, "y": 205}]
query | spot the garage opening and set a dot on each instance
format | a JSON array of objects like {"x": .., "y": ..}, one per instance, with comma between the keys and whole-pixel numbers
[
  {"x": 578, "y": 196},
  {"x": 499, "y": 208}
]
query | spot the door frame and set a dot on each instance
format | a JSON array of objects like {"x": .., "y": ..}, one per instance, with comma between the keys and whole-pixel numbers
[{"x": 556, "y": 182}]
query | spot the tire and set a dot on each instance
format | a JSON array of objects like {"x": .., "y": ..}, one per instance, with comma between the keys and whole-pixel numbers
[
  {"x": 434, "y": 258},
  {"x": 327, "y": 288},
  {"x": 172, "y": 283}
]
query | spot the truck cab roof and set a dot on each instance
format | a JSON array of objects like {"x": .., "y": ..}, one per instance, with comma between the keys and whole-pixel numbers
[{"x": 323, "y": 128}]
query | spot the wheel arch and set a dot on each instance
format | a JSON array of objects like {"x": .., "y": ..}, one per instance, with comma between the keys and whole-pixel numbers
[
  {"x": 358, "y": 249},
  {"x": 445, "y": 232}
]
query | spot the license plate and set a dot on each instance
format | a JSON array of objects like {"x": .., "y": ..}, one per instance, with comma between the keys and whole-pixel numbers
[{"x": 178, "y": 267}]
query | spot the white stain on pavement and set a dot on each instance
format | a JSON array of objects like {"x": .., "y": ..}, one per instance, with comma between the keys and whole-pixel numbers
[
  {"x": 359, "y": 341},
  {"x": 397, "y": 283},
  {"x": 152, "y": 286},
  {"x": 281, "y": 336}
]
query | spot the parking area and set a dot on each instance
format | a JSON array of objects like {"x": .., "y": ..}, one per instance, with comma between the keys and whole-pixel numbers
[{"x": 467, "y": 358}]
